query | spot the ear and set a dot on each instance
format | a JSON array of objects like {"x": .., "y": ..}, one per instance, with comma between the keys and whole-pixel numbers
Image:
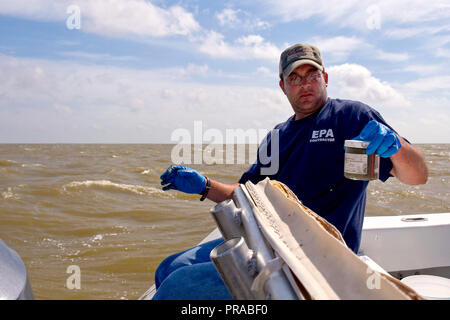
[
  {"x": 282, "y": 86},
  {"x": 325, "y": 77}
]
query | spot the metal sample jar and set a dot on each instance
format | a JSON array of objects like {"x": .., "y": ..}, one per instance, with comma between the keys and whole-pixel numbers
[{"x": 358, "y": 164}]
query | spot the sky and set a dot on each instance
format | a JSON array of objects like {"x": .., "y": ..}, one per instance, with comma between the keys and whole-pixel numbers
[{"x": 139, "y": 71}]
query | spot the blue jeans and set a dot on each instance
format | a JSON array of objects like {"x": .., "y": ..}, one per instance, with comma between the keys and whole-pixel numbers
[{"x": 190, "y": 275}]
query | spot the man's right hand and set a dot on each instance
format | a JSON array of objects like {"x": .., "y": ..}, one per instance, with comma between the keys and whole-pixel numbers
[
  {"x": 382, "y": 140},
  {"x": 183, "y": 179}
]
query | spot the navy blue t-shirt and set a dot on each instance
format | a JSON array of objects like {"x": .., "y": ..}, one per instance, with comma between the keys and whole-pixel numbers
[{"x": 311, "y": 164}]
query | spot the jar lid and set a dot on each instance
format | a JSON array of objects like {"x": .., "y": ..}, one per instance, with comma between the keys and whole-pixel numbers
[{"x": 356, "y": 144}]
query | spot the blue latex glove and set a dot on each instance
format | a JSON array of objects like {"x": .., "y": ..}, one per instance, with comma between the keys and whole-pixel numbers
[
  {"x": 183, "y": 179},
  {"x": 382, "y": 139}
]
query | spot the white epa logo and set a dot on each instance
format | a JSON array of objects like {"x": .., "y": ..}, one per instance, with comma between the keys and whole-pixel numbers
[{"x": 316, "y": 134}]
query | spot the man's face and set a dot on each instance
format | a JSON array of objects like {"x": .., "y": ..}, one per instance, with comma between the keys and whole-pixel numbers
[{"x": 306, "y": 90}]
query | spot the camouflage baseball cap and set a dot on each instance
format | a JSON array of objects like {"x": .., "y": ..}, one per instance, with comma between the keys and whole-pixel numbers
[{"x": 297, "y": 55}]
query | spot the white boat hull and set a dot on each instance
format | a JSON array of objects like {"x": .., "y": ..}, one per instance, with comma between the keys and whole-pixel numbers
[{"x": 401, "y": 246}]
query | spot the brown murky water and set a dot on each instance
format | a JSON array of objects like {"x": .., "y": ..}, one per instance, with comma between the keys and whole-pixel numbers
[{"x": 100, "y": 207}]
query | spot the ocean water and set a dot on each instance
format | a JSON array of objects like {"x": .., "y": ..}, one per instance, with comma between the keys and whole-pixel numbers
[{"x": 101, "y": 208}]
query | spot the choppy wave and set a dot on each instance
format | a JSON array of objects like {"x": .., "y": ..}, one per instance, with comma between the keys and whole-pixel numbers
[
  {"x": 444, "y": 154},
  {"x": 151, "y": 173},
  {"x": 9, "y": 163},
  {"x": 9, "y": 194},
  {"x": 111, "y": 186},
  {"x": 33, "y": 165}
]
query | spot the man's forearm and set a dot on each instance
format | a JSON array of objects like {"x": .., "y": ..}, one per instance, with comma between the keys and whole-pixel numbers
[
  {"x": 221, "y": 191},
  {"x": 409, "y": 165}
]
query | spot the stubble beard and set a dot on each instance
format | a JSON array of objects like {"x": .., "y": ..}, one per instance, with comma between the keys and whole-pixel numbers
[{"x": 303, "y": 109}]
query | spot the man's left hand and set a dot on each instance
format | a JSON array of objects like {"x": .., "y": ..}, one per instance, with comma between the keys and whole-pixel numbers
[{"x": 382, "y": 140}]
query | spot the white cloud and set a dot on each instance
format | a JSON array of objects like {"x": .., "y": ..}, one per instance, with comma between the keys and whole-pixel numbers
[
  {"x": 413, "y": 11},
  {"x": 355, "y": 13},
  {"x": 423, "y": 69},
  {"x": 96, "y": 56},
  {"x": 45, "y": 10},
  {"x": 265, "y": 72},
  {"x": 136, "y": 17},
  {"x": 115, "y": 18},
  {"x": 391, "y": 57},
  {"x": 426, "y": 121},
  {"x": 244, "y": 48},
  {"x": 301, "y": 10},
  {"x": 355, "y": 82},
  {"x": 141, "y": 18},
  {"x": 193, "y": 69},
  {"x": 185, "y": 73},
  {"x": 214, "y": 45},
  {"x": 62, "y": 108},
  {"x": 408, "y": 32},
  {"x": 443, "y": 53},
  {"x": 430, "y": 83},
  {"x": 337, "y": 49},
  {"x": 239, "y": 19},
  {"x": 227, "y": 17},
  {"x": 43, "y": 101}
]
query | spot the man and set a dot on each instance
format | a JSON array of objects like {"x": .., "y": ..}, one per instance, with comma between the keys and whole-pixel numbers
[{"x": 311, "y": 158}]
